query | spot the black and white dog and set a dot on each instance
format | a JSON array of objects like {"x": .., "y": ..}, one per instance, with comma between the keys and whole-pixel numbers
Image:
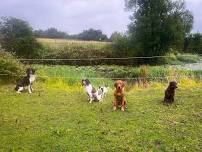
[
  {"x": 26, "y": 81},
  {"x": 91, "y": 91},
  {"x": 104, "y": 90}
]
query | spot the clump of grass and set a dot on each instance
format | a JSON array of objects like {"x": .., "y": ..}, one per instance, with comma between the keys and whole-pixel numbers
[{"x": 144, "y": 75}]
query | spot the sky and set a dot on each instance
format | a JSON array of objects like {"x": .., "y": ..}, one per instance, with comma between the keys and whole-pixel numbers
[{"x": 74, "y": 16}]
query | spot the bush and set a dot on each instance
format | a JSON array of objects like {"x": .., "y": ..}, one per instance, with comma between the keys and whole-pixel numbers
[
  {"x": 17, "y": 37},
  {"x": 10, "y": 67}
]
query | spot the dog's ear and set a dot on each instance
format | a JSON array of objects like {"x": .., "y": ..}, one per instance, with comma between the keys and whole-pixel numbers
[
  {"x": 115, "y": 84},
  {"x": 27, "y": 70},
  {"x": 123, "y": 83},
  {"x": 33, "y": 70},
  {"x": 87, "y": 82}
]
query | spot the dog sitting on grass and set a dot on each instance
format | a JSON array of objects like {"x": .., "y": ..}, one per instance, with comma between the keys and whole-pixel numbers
[
  {"x": 26, "y": 81},
  {"x": 170, "y": 93},
  {"x": 119, "y": 95},
  {"x": 93, "y": 94}
]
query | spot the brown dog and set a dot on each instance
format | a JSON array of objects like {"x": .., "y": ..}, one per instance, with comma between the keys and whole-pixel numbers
[
  {"x": 119, "y": 95},
  {"x": 170, "y": 92}
]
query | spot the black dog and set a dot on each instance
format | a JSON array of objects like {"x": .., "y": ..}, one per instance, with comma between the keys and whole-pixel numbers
[
  {"x": 26, "y": 81},
  {"x": 170, "y": 93}
]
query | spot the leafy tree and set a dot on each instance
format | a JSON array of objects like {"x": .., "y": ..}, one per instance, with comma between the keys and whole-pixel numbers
[
  {"x": 50, "y": 33},
  {"x": 92, "y": 34},
  {"x": 115, "y": 36},
  {"x": 120, "y": 45},
  {"x": 17, "y": 37},
  {"x": 158, "y": 25},
  {"x": 193, "y": 43}
]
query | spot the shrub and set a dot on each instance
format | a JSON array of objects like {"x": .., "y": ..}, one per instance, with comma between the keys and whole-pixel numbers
[{"x": 10, "y": 67}]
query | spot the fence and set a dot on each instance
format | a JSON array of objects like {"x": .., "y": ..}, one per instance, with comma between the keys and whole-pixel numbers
[{"x": 139, "y": 78}]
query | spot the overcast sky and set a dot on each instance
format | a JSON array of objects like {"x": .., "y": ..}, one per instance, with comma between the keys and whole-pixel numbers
[{"x": 73, "y": 16}]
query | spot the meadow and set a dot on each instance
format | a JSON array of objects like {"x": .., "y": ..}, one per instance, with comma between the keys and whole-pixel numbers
[{"x": 57, "y": 116}]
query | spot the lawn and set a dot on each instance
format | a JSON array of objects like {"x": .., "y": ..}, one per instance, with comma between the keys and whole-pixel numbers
[{"x": 57, "y": 119}]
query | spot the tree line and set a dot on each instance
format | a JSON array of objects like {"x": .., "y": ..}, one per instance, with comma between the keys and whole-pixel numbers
[{"x": 87, "y": 35}]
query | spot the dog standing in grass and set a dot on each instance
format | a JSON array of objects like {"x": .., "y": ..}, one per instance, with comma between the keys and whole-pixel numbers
[
  {"x": 170, "y": 93},
  {"x": 119, "y": 95}
]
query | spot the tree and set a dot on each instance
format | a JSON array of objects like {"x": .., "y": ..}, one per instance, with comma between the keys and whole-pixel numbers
[
  {"x": 17, "y": 37},
  {"x": 193, "y": 43},
  {"x": 158, "y": 25},
  {"x": 115, "y": 36},
  {"x": 91, "y": 34},
  {"x": 51, "y": 33}
]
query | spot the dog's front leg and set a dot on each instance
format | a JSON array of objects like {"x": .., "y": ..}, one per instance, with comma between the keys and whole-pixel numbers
[
  {"x": 20, "y": 89},
  {"x": 29, "y": 89},
  {"x": 90, "y": 98},
  {"x": 115, "y": 104},
  {"x": 123, "y": 104}
]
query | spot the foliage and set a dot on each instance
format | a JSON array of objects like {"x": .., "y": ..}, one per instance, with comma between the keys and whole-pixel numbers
[
  {"x": 158, "y": 25},
  {"x": 17, "y": 37},
  {"x": 121, "y": 46},
  {"x": 10, "y": 67},
  {"x": 65, "y": 49},
  {"x": 91, "y": 35},
  {"x": 115, "y": 35},
  {"x": 193, "y": 43},
  {"x": 50, "y": 33}
]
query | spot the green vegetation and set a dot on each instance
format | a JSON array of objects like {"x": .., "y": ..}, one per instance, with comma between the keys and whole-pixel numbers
[
  {"x": 58, "y": 117},
  {"x": 157, "y": 26},
  {"x": 74, "y": 49},
  {"x": 16, "y": 36},
  {"x": 9, "y": 66}
]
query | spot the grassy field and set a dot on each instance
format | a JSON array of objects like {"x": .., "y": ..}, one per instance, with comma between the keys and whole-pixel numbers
[
  {"x": 57, "y": 117},
  {"x": 73, "y": 44}
]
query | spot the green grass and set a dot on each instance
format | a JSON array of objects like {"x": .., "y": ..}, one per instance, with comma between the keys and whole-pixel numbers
[
  {"x": 57, "y": 120},
  {"x": 57, "y": 116}
]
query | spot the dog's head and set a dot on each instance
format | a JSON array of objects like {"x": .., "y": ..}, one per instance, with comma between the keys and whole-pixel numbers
[
  {"x": 119, "y": 85},
  {"x": 104, "y": 88},
  {"x": 173, "y": 85},
  {"x": 30, "y": 71},
  {"x": 85, "y": 82}
]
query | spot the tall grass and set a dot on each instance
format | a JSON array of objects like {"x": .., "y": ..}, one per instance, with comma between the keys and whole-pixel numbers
[{"x": 69, "y": 77}]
